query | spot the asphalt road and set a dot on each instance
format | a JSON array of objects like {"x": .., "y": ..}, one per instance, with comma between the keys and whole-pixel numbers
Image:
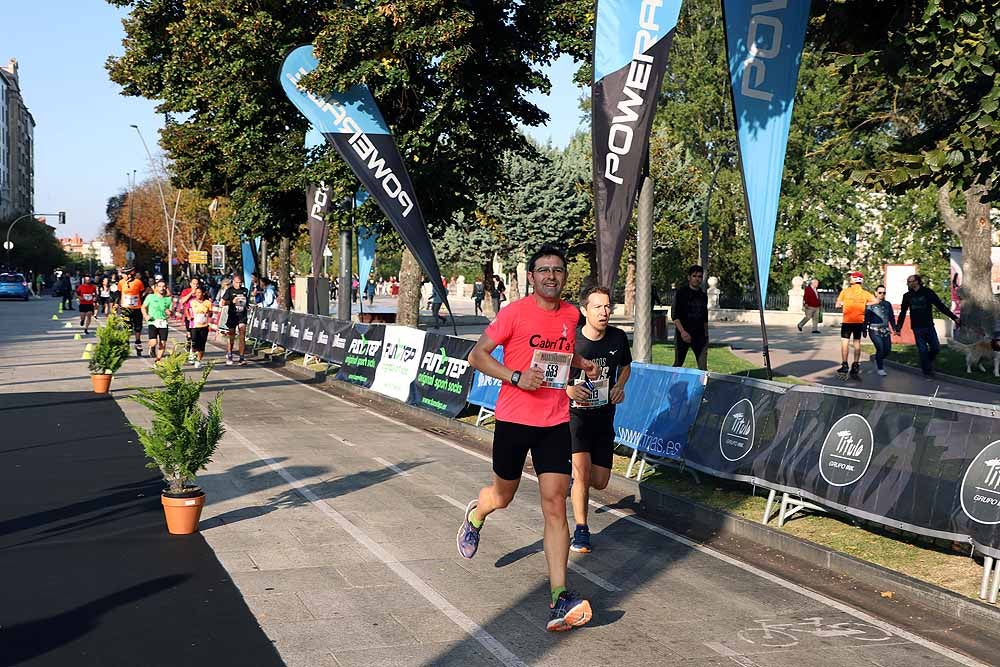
[{"x": 337, "y": 523}]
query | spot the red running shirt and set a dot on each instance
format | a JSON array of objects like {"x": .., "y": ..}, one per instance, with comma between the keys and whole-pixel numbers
[
  {"x": 522, "y": 328},
  {"x": 87, "y": 293}
]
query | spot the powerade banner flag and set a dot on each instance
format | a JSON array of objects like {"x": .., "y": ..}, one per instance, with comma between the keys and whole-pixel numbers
[
  {"x": 367, "y": 240},
  {"x": 249, "y": 250},
  {"x": 630, "y": 58},
  {"x": 764, "y": 45},
  {"x": 351, "y": 122},
  {"x": 318, "y": 204}
]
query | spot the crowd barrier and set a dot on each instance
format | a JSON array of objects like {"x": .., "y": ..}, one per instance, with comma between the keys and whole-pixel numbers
[{"x": 922, "y": 465}]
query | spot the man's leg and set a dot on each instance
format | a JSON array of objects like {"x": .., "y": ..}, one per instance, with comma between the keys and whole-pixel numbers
[
  {"x": 844, "y": 342},
  {"x": 581, "y": 486},
  {"x": 495, "y": 497},
  {"x": 680, "y": 351},
  {"x": 243, "y": 339},
  {"x": 814, "y": 315},
  {"x": 933, "y": 346},
  {"x": 857, "y": 350},
  {"x": 700, "y": 347},
  {"x": 920, "y": 336},
  {"x": 553, "y": 487}
]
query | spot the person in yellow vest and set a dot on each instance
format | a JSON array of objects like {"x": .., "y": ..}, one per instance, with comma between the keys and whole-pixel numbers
[{"x": 854, "y": 299}]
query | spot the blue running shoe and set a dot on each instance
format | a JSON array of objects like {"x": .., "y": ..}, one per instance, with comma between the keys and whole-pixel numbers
[
  {"x": 468, "y": 535},
  {"x": 570, "y": 611},
  {"x": 581, "y": 540}
]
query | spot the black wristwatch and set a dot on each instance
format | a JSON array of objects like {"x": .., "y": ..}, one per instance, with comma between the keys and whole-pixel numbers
[{"x": 515, "y": 377}]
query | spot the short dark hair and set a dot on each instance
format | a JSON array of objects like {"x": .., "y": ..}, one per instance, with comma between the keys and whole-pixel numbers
[
  {"x": 878, "y": 287},
  {"x": 547, "y": 250},
  {"x": 695, "y": 268},
  {"x": 593, "y": 289},
  {"x": 919, "y": 278}
]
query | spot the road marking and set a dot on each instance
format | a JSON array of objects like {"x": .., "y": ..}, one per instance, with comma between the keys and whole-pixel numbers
[
  {"x": 394, "y": 421},
  {"x": 857, "y": 613},
  {"x": 727, "y": 652},
  {"x": 252, "y": 391},
  {"x": 396, "y": 469},
  {"x": 307, "y": 421},
  {"x": 488, "y": 641},
  {"x": 343, "y": 440},
  {"x": 452, "y": 501}
]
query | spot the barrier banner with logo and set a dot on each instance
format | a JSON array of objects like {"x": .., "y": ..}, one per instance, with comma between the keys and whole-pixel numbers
[
  {"x": 398, "y": 362},
  {"x": 445, "y": 376},
  {"x": 364, "y": 348},
  {"x": 739, "y": 432},
  {"x": 351, "y": 122},
  {"x": 485, "y": 390},
  {"x": 660, "y": 406},
  {"x": 764, "y": 43},
  {"x": 331, "y": 346},
  {"x": 631, "y": 45},
  {"x": 277, "y": 327}
]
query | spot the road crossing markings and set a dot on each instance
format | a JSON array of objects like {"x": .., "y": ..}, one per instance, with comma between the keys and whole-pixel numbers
[
  {"x": 396, "y": 469},
  {"x": 341, "y": 440},
  {"x": 488, "y": 641},
  {"x": 305, "y": 421}
]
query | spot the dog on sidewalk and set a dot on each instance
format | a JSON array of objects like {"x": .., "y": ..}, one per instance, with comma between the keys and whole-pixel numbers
[{"x": 987, "y": 349}]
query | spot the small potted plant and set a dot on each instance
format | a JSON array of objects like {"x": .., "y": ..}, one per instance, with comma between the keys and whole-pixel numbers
[
  {"x": 109, "y": 353},
  {"x": 181, "y": 439}
]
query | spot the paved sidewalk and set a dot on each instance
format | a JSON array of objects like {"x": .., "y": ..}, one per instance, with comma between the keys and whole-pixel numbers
[{"x": 337, "y": 524}]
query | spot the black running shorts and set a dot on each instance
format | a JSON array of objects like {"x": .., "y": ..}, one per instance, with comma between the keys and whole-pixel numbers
[
  {"x": 199, "y": 336},
  {"x": 855, "y": 331},
  {"x": 156, "y": 332},
  {"x": 549, "y": 447},
  {"x": 134, "y": 316},
  {"x": 86, "y": 307},
  {"x": 594, "y": 433}
]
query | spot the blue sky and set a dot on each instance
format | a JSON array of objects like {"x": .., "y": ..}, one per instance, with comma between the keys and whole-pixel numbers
[{"x": 84, "y": 146}]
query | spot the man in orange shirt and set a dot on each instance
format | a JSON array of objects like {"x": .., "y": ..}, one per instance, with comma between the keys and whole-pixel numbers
[
  {"x": 132, "y": 290},
  {"x": 854, "y": 299}
]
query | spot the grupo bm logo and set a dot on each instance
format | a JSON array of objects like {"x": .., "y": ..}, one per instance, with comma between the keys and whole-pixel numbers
[
  {"x": 981, "y": 486},
  {"x": 847, "y": 451},
  {"x": 737, "y": 432}
]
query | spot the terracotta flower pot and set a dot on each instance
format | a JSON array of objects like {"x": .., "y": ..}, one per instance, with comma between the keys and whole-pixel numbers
[
  {"x": 183, "y": 514},
  {"x": 101, "y": 382}
]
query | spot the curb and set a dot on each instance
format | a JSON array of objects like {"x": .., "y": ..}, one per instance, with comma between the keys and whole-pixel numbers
[
  {"x": 665, "y": 506},
  {"x": 945, "y": 377}
]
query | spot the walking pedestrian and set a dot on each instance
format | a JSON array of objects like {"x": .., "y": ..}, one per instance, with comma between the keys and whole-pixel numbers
[
  {"x": 592, "y": 408},
  {"x": 156, "y": 309},
  {"x": 920, "y": 302},
  {"x": 132, "y": 290},
  {"x": 66, "y": 291},
  {"x": 881, "y": 321},
  {"x": 86, "y": 294},
  {"x": 854, "y": 300},
  {"x": 690, "y": 315},
  {"x": 532, "y": 414},
  {"x": 235, "y": 300},
  {"x": 811, "y": 306},
  {"x": 370, "y": 289},
  {"x": 478, "y": 294},
  {"x": 498, "y": 293},
  {"x": 201, "y": 317}
]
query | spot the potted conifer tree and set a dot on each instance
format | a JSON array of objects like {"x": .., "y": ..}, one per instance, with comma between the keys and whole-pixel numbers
[
  {"x": 110, "y": 352},
  {"x": 181, "y": 439}
]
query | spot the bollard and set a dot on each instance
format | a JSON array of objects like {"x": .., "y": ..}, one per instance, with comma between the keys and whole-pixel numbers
[
  {"x": 68, "y": 325},
  {"x": 89, "y": 348},
  {"x": 86, "y": 355},
  {"x": 77, "y": 337},
  {"x": 55, "y": 317}
]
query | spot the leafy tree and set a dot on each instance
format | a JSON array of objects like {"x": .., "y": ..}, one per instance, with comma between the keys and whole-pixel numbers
[{"x": 36, "y": 247}]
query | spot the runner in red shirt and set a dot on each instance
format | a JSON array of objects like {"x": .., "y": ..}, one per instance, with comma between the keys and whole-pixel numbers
[
  {"x": 86, "y": 293},
  {"x": 538, "y": 333}
]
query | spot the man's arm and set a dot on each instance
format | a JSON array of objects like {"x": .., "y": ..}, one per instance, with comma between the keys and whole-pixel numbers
[
  {"x": 903, "y": 307},
  {"x": 145, "y": 313},
  {"x": 617, "y": 393},
  {"x": 483, "y": 361},
  {"x": 936, "y": 300},
  {"x": 679, "y": 305}
]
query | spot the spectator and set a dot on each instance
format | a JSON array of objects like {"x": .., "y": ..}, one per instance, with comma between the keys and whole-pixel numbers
[
  {"x": 478, "y": 294},
  {"x": 881, "y": 322},
  {"x": 498, "y": 293},
  {"x": 66, "y": 291},
  {"x": 811, "y": 306},
  {"x": 921, "y": 301},
  {"x": 690, "y": 316}
]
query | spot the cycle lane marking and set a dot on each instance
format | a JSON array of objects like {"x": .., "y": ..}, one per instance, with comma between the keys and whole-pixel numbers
[{"x": 727, "y": 652}]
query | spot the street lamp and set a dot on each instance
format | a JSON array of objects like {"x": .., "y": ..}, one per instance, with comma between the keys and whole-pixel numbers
[
  {"x": 166, "y": 217},
  {"x": 9, "y": 245},
  {"x": 131, "y": 214}
]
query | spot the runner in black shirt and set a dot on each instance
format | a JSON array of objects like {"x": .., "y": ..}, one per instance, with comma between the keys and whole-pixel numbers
[
  {"x": 921, "y": 301},
  {"x": 690, "y": 314},
  {"x": 592, "y": 412},
  {"x": 237, "y": 298}
]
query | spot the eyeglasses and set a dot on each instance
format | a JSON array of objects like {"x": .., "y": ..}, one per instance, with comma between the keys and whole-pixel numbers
[
  {"x": 879, "y": 293},
  {"x": 554, "y": 270}
]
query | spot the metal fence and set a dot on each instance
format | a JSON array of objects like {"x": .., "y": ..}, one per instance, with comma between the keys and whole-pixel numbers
[{"x": 748, "y": 301}]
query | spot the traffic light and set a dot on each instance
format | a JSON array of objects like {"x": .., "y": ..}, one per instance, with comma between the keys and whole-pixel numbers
[{"x": 62, "y": 217}]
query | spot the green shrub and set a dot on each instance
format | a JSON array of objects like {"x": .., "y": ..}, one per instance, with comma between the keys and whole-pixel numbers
[
  {"x": 183, "y": 437},
  {"x": 112, "y": 346}
]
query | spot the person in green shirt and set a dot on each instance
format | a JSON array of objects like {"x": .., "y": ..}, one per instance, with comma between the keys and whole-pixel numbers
[{"x": 156, "y": 308}]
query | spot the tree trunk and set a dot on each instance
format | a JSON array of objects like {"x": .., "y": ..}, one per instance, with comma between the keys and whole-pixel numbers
[
  {"x": 592, "y": 263},
  {"x": 284, "y": 286},
  {"x": 630, "y": 288},
  {"x": 488, "y": 285},
  {"x": 513, "y": 289},
  {"x": 978, "y": 311},
  {"x": 408, "y": 304}
]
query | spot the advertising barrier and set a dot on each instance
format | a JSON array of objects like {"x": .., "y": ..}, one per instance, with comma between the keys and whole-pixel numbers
[
  {"x": 364, "y": 349},
  {"x": 485, "y": 390},
  {"x": 444, "y": 378},
  {"x": 397, "y": 366},
  {"x": 660, "y": 406}
]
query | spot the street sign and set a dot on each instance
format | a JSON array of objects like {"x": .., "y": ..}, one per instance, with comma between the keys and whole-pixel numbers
[
  {"x": 327, "y": 252},
  {"x": 219, "y": 257},
  {"x": 129, "y": 256},
  {"x": 8, "y": 245},
  {"x": 198, "y": 257}
]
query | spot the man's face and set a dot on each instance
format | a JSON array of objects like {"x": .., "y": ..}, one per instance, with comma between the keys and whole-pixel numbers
[
  {"x": 86, "y": 279},
  {"x": 548, "y": 277},
  {"x": 161, "y": 287},
  {"x": 237, "y": 282},
  {"x": 814, "y": 283},
  {"x": 694, "y": 279},
  {"x": 194, "y": 283},
  {"x": 597, "y": 310},
  {"x": 911, "y": 284}
]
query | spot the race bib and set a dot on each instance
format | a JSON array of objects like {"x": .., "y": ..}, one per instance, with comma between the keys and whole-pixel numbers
[
  {"x": 86, "y": 297},
  {"x": 200, "y": 319},
  {"x": 159, "y": 324},
  {"x": 130, "y": 300},
  {"x": 598, "y": 394},
  {"x": 240, "y": 304},
  {"x": 554, "y": 366}
]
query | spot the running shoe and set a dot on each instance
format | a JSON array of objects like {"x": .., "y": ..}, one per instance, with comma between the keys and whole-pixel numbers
[
  {"x": 197, "y": 364},
  {"x": 881, "y": 372},
  {"x": 243, "y": 361},
  {"x": 191, "y": 357},
  {"x": 229, "y": 359},
  {"x": 843, "y": 371},
  {"x": 570, "y": 611},
  {"x": 800, "y": 327},
  {"x": 138, "y": 351},
  {"x": 581, "y": 540},
  {"x": 468, "y": 535},
  {"x": 855, "y": 370}
]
